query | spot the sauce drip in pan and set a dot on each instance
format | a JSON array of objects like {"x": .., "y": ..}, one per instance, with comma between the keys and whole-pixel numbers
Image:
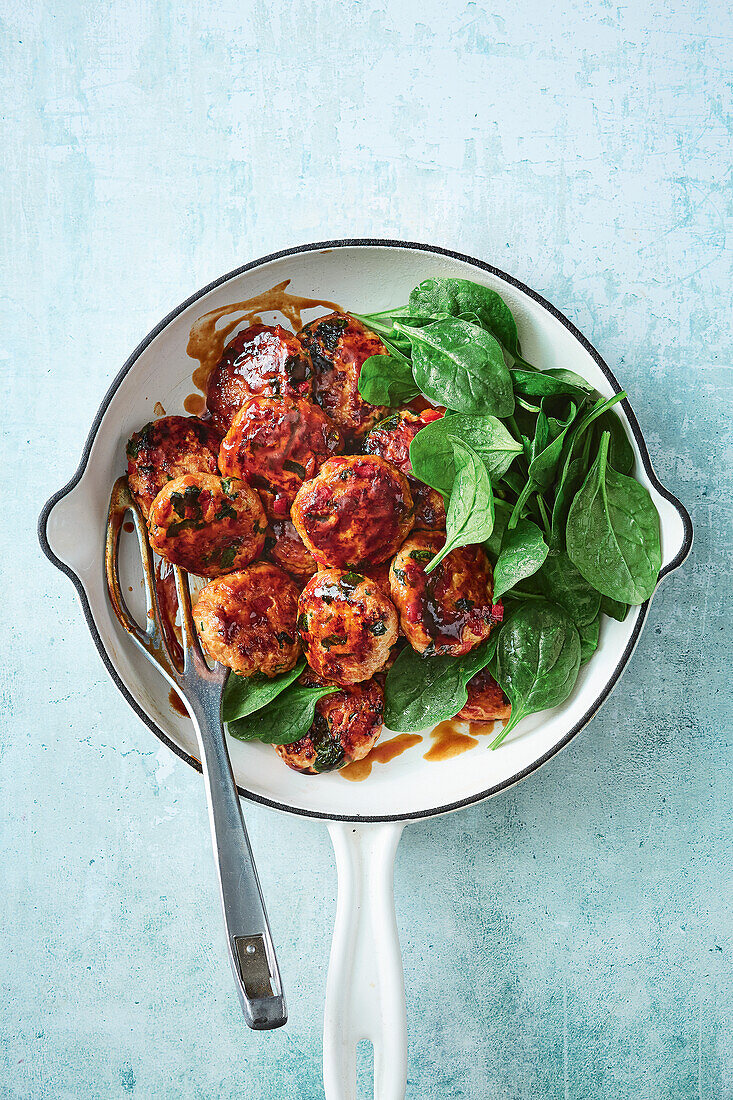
[
  {"x": 195, "y": 404},
  {"x": 177, "y": 703},
  {"x": 382, "y": 753},
  {"x": 206, "y": 341},
  {"x": 448, "y": 740}
]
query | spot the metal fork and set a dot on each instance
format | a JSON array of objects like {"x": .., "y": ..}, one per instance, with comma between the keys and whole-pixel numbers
[{"x": 251, "y": 950}]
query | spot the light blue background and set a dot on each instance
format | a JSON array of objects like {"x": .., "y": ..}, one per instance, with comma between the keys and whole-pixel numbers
[{"x": 567, "y": 940}]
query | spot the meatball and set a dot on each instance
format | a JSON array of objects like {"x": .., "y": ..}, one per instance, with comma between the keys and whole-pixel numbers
[
  {"x": 356, "y": 511},
  {"x": 338, "y": 346},
  {"x": 391, "y": 438},
  {"x": 347, "y": 626},
  {"x": 165, "y": 449},
  {"x": 486, "y": 701},
  {"x": 275, "y": 444},
  {"x": 263, "y": 359},
  {"x": 449, "y": 610},
  {"x": 246, "y": 620},
  {"x": 346, "y": 726},
  {"x": 208, "y": 525},
  {"x": 285, "y": 547}
]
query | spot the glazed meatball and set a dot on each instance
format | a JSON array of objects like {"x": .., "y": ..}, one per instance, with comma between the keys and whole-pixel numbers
[
  {"x": 338, "y": 346},
  {"x": 247, "y": 620},
  {"x": 285, "y": 547},
  {"x": 346, "y": 726},
  {"x": 449, "y": 610},
  {"x": 208, "y": 525},
  {"x": 356, "y": 511},
  {"x": 347, "y": 626},
  {"x": 275, "y": 444},
  {"x": 263, "y": 359},
  {"x": 166, "y": 449},
  {"x": 391, "y": 438},
  {"x": 486, "y": 701}
]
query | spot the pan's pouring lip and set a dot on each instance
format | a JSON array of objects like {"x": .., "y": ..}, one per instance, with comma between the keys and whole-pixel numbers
[{"x": 366, "y": 243}]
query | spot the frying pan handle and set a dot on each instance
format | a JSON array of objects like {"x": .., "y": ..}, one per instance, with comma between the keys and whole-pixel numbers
[{"x": 365, "y": 991}]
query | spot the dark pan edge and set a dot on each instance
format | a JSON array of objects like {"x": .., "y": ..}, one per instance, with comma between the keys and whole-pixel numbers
[{"x": 351, "y": 243}]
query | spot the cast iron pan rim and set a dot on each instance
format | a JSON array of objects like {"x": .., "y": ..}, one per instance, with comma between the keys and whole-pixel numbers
[{"x": 351, "y": 243}]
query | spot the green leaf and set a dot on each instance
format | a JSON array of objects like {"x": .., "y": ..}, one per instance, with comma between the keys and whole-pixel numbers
[
  {"x": 422, "y": 691},
  {"x": 460, "y": 366},
  {"x": 613, "y": 534},
  {"x": 537, "y": 660},
  {"x": 561, "y": 582},
  {"x": 245, "y": 694},
  {"x": 614, "y": 609},
  {"x": 552, "y": 383},
  {"x": 455, "y": 297},
  {"x": 589, "y": 636},
  {"x": 547, "y": 448},
  {"x": 470, "y": 515},
  {"x": 620, "y": 451},
  {"x": 386, "y": 380},
  {"x": 285, "y": 719},
  {"x": 523, "y": 551},
  {"x": 431, "y": 451}
]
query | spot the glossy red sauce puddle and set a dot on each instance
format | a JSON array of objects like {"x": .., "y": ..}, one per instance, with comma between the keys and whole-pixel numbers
[
  {"x": 382, "y": 753},
  {"x": 128, "y": 526},
  {"x": 195, "y": 404},
  {"x": 177, "y": 703}
]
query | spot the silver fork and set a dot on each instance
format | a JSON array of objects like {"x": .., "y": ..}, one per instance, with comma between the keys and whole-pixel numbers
[{"x": 251, "y": 950}]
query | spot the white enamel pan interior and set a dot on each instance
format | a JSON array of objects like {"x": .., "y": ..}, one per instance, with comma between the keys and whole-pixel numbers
[{"x": 362, "y": 276}]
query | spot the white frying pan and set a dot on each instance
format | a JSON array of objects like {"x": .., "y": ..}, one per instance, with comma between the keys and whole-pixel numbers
[{"x": 365, "y": 996}]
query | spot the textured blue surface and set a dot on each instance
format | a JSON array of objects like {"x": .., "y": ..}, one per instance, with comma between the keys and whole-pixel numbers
[{"x": 568, "y": 939}]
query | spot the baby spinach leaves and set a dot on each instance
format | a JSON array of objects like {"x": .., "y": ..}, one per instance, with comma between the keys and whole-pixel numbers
[
  {"x": 387, "y": 380},
  {"x": 522, "y": 553},
  {"x": 431, "y": 451},
  {"x": 460, "y": 366},
  {"x": 245, "y": 694},
  {"x": 422, "y": 691},
  {"x": 285, "y": 719},
  {"x": 613, "y": 533},
  {"x": 537, "y": 660},
  {"x": 457, "y": 297},
  {"x": 470, "y": 516}
]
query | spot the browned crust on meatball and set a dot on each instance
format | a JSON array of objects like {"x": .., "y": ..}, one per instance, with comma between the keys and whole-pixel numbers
[
  {"x": 208, "y": 525},
  {"x": 165, "y": 449},
  {"x": 347, "y": 626},
  {"x": 276, "y": 444},
  {"x": 355, "y": 512},
  {"x": 486, "y": 701},
  {"x": 346, "y": 727},
  {"x": 449, "y": 610},
  {"x": 338, "y": 346},
  {"x": 391, "y": 439},
  {"x": 246, "y": 620},
  {"x": 285, "y": 547},
  {"x": 262, "y": 359}
]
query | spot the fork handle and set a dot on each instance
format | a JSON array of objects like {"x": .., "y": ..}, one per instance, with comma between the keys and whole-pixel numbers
[{"x": 251, "y": 950}]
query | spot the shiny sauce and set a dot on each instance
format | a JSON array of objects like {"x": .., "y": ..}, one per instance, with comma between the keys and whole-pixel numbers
[
  {"x": 177, "y": 703},
  {"x": 195, "y": 404},
  {"x": 448, "y": 740},
  {"x": 382, "y": 753},
  {"x": 206, "y": 341},
  {"x": 158, "y": 409}
]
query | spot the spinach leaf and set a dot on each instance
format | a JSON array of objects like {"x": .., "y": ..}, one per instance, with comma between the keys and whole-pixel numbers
[
  {"x": 493, "y": 544},
  {"x": 589, "y": 636},
  {"x": 550, "y": 383},
  {"x": 537, "y": 660},
  {"x": 431, "y": 451},
  {"x": 460, "y": 366},
  {"x": 245, "y": 694},
  {"x": 560, "y": 582},
  {"x": 548, "y": 445},
  {"x": 470, "y": 516},
  {"x": 614, "y": 609},
  {"x": 613, "y": 533},
  {"x": 620, "y": 452},
  {"x": 422, "y": 691},
  {"x": 386, "y": 380},
  {"x": 461, "y": 296},
  {"x": 523, "y": 551},
  {"x": 285, "y": 719}
]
